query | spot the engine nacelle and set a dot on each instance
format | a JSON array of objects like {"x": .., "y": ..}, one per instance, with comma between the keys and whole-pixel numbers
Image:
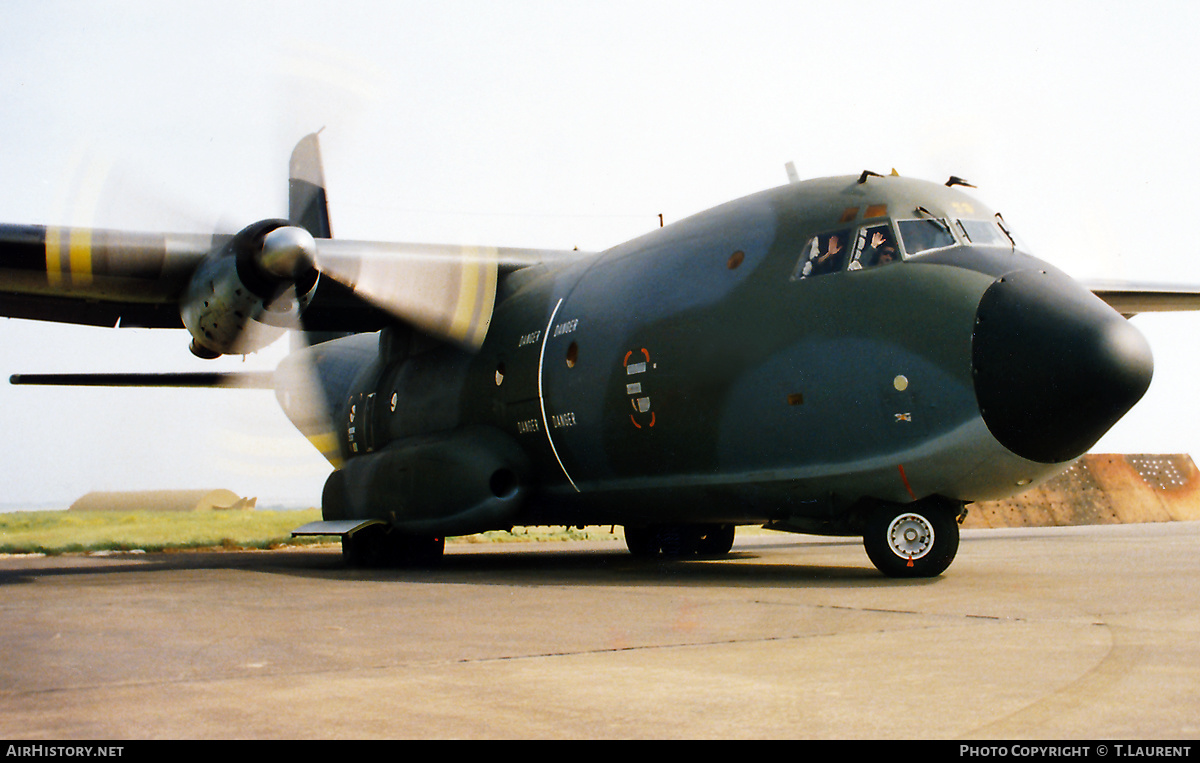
[
  {"x": 235, "y": 305},
  {"x": 462, "y": 482}
]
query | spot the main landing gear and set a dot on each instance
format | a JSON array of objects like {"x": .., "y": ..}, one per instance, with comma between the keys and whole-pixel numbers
[
  {"x": 380, "y": 546},
  {"x": 917, "y": 540},
  {"x": 679, "y": 541}
]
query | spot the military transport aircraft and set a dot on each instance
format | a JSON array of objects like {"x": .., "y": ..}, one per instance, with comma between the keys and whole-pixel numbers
[{"x": 858, "y": 355}]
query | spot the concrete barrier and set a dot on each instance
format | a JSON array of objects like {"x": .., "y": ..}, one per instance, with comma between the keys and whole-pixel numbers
[{"x": 1102, "y": 489}]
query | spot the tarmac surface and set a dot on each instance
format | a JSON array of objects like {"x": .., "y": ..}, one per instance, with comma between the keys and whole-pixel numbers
[{"x": 1048, "y": 633}]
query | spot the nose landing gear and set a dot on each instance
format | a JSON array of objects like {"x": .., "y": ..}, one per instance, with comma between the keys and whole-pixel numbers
[{"x": 914, "y": 540}]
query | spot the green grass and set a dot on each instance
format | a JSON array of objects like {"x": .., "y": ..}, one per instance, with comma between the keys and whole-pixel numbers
[
  {"x": 62, "y": 532},
  {"x": 66, "y": 532}
]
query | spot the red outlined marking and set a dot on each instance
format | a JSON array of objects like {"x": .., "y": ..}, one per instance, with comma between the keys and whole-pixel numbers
[
  {"x": 639, "y": 426},
  {"x": 645, "y": 352}
]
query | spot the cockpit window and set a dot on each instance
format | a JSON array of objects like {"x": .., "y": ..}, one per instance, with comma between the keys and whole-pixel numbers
[
  {"x": 984, "y": 233},
  {"x": 1012, "y": 237},
  {"x": 874, "y": 245},
  {"x": 823, "y": 254},
  {"x": 924, "y": 235}
]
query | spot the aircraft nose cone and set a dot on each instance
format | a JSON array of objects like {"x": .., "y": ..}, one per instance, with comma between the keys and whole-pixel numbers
[{"x": 1054, "y": 366}]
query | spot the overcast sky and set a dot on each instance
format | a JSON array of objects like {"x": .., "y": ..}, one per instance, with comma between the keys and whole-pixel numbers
[{"x": 560, "y": 124}]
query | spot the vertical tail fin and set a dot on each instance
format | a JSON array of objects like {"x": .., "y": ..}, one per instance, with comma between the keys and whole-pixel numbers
[{"x": 308, "y": 206}]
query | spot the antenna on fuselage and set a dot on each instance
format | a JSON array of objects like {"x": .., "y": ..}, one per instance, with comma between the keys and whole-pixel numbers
[{"x": 793, "y": 176}]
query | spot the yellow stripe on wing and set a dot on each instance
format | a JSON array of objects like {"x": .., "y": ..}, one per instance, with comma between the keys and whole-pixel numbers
[
  {"x": 80, "y": 258},
  {"x": 68, "y": 254},
  {"x": 53, "y": 256}
]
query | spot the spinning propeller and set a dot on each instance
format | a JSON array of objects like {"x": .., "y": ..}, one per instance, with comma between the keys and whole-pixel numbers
[{"x": 266, "y": 275}]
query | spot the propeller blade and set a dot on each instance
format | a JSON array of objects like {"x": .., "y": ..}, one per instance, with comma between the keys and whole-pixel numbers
[
  {"x": 302, "y": 397},
  {"x": 445, "y": 290}
]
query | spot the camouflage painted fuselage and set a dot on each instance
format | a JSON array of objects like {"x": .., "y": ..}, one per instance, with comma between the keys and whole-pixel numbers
[{"x": 707, "y": 372}]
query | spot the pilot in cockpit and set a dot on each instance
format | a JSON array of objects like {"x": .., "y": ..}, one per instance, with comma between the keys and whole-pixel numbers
[
  {"x": 877, "y": 248},
  {"x": 829, "y": 260},
  {"x": 881, "y": 251}
]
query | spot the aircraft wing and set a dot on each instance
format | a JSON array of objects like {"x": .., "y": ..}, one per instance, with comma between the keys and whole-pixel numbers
[
  {"x": 236, "y": 293},
  {"x": 1130, "y": 298},
  {"x": 124, "y": 279},
  {"x": 96, "y": 277}
]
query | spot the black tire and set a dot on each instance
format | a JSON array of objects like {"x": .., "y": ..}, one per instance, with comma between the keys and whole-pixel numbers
[
  {"x": 642, "y": 542},
  {"x": 917, "y": 540},
  {"x": 380, "y": 546},
  {"x": 366, "y": 548},
  {"x": 420, "y": 550},
  {"x": 715, "y": 540},
  {"x": 679, "y": 541},
  {"x": 675, "y": 541}
]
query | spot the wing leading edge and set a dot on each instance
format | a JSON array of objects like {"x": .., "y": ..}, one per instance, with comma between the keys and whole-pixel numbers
[{"x": 1130, "y": 298}]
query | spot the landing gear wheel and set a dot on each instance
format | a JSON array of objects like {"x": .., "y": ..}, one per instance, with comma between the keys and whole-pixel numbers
[
  {"x": 715, "y": 540},
  {"x": 366, "y": 548},
  {"x": 380, "y": 546},
  {"x": 674, "y": 541},
  {"x": 420, "y": 551},
  {"x": 642, "y": 542},
  {"x": 916, "y": 540},
  {"x": 679, "y": 541}
]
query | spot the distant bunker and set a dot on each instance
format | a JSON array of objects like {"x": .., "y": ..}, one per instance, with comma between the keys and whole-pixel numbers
[
  {"x": 164, "y": 500},
  {"x": 1101, "y": 490}
]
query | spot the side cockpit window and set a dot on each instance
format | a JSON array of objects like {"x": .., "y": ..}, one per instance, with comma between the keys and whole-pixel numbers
[
  {"x": 925, "y": 235},
  {"x": 874, "y": 245},
  {"x": 825, "y": 253}
]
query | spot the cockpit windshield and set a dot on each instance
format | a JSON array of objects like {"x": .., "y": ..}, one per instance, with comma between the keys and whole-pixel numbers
[
  {"x": 983, "y": 233},
  {"x": 929, "y": 234},
  {"x": 924, "y": 235}
]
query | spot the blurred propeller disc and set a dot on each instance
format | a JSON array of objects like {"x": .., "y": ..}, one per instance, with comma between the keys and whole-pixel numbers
[{"x": 448, "y": 291}]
